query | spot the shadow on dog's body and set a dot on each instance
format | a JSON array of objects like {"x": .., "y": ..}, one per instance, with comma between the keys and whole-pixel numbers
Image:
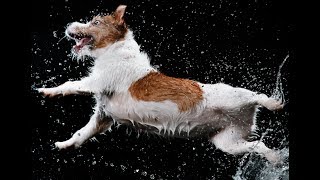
[{"x": 129, "y": 90}]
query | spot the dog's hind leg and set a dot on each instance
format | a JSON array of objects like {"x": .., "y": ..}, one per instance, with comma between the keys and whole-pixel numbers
[
  {"x": 269, "y": 102},
  {"x": 98, "y": 123},
  {"x": 230, "y": 140}
]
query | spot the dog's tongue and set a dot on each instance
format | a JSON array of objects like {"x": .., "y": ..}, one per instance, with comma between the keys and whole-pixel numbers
[{"x": 81, "y": 43}]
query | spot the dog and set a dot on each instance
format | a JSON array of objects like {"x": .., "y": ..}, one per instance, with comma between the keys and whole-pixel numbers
[{"x": 128, "y": 90}]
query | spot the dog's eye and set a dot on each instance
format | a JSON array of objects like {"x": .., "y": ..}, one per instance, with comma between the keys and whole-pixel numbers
[{"x": 96, "y": 22}]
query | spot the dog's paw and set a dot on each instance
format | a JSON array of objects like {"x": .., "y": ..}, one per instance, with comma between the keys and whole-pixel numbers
[
  {"x": 274, "y": 157},
  {"x": 273, "y": 104},
  {"x": 65, "y": 145},
  {"x": 48, "y": 92},
  {"x": 60, "y": 145}
]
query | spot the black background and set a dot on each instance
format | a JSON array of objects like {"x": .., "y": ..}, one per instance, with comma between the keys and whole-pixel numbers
[{"x": 241, "y": 43}]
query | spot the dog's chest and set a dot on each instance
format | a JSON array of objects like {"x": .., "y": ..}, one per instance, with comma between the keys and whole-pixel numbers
[{"x": 123, "y": 106}]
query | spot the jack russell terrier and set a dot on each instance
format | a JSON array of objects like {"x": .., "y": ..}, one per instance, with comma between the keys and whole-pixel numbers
[{"x": 128, "y": 90}]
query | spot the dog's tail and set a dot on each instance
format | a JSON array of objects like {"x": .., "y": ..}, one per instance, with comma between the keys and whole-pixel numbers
[{"x": 277, "y": 93}]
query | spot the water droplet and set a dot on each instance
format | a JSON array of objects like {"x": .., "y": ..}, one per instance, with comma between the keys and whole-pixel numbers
[
  {"x": 123, "y": 167},
  {"x": 144, "y": 173},
  {"x": 54, "y": 34}
]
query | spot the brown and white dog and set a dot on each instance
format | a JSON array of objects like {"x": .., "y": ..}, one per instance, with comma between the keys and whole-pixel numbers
[{"x": 127, "y": 89}]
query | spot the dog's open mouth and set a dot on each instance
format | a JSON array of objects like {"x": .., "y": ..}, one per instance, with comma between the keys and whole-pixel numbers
[{"x": 81, "y": 41}]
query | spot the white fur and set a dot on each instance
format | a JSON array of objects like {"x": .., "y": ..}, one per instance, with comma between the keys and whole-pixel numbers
[{"x": 229, "y": 110}]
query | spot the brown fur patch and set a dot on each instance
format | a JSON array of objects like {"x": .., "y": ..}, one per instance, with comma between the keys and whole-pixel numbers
[
  {"x": 107, "y": 32},
  {"x": 159, "y": 87}
]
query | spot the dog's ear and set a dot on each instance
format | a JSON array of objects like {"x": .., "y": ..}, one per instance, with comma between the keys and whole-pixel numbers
[{"x": 118, "y": 14}]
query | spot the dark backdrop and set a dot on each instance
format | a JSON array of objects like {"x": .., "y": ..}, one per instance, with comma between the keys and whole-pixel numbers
[{"x": 241, "y": 43}]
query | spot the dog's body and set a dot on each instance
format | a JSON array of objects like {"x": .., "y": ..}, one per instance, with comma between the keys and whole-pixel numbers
[{"x": 128, "y": 89}]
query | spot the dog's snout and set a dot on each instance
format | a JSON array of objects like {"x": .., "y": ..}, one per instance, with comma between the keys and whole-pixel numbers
[
  {"x": 70, "y": 34},
  {"x": 75, "y": 28}
]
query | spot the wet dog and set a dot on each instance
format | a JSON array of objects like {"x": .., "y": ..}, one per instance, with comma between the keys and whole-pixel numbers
[{"x": 127, "y": 89}]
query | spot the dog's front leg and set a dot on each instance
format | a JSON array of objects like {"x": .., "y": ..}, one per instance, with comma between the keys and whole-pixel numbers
[
  {"x": 69, "y": 87},
  {"x": 98, "y": 123}
]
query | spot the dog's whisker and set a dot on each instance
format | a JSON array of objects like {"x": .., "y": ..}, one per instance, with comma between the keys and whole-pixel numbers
[{"x": 61, "y": 39}]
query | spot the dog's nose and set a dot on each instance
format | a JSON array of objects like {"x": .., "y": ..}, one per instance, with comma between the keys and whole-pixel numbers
[{"x": 68, "y": 26}]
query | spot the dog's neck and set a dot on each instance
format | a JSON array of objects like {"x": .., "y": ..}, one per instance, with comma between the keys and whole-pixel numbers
[
  {"x": 121, "y": 64},
  {"x": 127, "y": 42}
]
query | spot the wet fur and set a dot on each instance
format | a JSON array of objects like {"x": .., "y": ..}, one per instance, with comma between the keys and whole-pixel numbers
[{"x": 128, "y": 90}]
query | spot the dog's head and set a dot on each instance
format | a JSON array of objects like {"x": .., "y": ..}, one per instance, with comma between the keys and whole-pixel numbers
[{"x": 99, "y": 33}]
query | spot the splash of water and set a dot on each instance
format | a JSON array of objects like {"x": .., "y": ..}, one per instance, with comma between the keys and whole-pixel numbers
[
  {"x": 278, "y": 91},
  {"x": 253, "y": 167}
]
